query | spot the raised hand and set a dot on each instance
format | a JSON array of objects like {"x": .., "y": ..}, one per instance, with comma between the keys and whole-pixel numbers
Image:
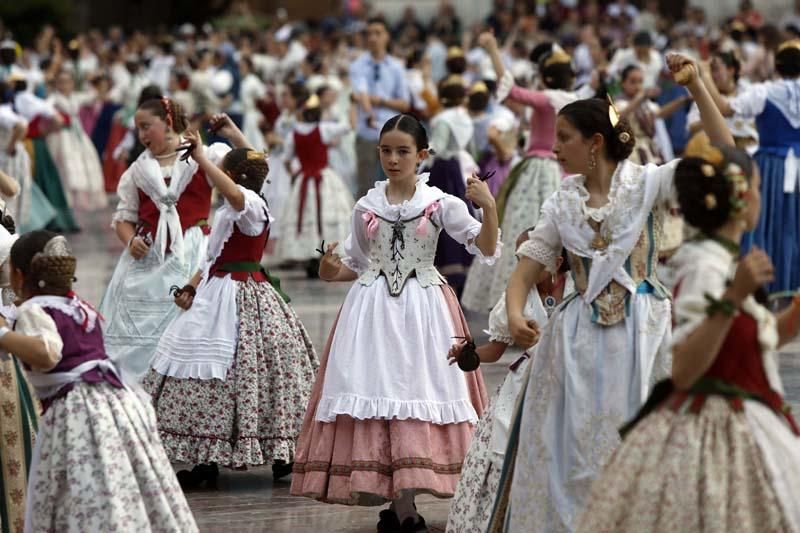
[
  {"x": 330, "y": 264},
  {"x": 684, "y": 69},
  {"x": 223, "y": 125},
  {"x": 487, "y": 40},
  {"x": 478, "y": 192},
  {"x": 753, "y": 271}
]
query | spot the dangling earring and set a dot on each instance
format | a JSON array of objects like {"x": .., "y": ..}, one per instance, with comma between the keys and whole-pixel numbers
[{"x": 592, "y": 161}]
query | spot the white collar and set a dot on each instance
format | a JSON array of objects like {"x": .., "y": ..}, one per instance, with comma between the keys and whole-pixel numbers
[{"x": 375, "y": 200}]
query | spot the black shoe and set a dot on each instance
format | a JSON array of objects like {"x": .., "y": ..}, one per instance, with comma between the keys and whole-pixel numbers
[
  {"x": 281, "y": 469},
  {"x": 197, "y": 476},
  {"x": 410, "y": 526},
  {"x": 388, "y": 522}
]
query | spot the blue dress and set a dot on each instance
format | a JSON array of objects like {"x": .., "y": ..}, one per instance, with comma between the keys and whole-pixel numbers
[{"x": 778, "y": 229}]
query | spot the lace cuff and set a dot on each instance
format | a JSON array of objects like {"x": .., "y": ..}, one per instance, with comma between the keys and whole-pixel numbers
[
  {"x": 124, "y": 215},
  {"x": 504, "y": 86},
  {"x": 472, "y": 247},
  {"x": 539, "y": 252}
]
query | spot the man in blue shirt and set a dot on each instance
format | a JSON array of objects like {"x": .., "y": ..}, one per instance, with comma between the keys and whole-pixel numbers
[{"x": 381, "y": 91}]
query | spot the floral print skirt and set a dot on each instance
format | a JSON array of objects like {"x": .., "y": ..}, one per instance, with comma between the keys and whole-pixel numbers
[
  {"x": 99, "y": 466},
  {"x": 685, "y": 471},
  {"x": 253, "y": 417}
]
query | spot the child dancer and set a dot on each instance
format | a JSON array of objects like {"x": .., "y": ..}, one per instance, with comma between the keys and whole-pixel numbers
[
  {"x": 98, "y": 461},
  {"x": 451, "y": 137},
  {"x": 715, "y": 448},
  {"x": 472, "y": 504},
  {"x": 232, "y": 376},
  {"x": 388, "y": 417},
  {"x": 320, "y": 203},
  {"x": 72, "y": 149},
  {"x": 162, "y": 219}
]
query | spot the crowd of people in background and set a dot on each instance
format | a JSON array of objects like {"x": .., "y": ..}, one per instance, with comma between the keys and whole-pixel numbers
[{"x": 443, "y": 140}]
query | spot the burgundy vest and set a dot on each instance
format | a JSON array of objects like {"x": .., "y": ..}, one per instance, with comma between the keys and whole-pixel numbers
[{"x": 194, "y": 206}]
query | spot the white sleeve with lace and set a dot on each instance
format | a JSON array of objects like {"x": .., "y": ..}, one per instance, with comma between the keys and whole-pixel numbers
[
  {"x": 544, "y": 245},
  {"x": 356, "y": 246},
  {"x": 454, "y": 217}
]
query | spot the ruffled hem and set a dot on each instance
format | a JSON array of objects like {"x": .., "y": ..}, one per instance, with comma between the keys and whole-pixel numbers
[
  {"x": 362, "y": 408},
  {"x": 241, "y": 452},
  {"x": 505, "y": 339},
  {"x": 474, "y": 250}
]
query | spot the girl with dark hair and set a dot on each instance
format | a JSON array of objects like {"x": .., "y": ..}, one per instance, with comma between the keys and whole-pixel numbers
[
  {"x": 721, "y": 419},
  {"x": 534, "y": 178},
  {"x": 602, "y": 349},
  {"x": 98, "y": 456},
  {"x": 320, "y": 203},
  {"x": 162, "y": 219},
  {"x": 451, "y": 138},
  {"x": 72, "y": 149},
  {"x": 777, "y": 116},
  {"x": 388, "y": 417},
  {"x": 477, "y": 488},
  {"x": 725, "y": 71},
  {"x": 231, "y": 376}
]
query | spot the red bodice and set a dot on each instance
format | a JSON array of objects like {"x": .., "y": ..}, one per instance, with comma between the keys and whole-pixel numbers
[
  {"x": 739, "y": 363},
  {"x": 241, "y": 248},
  {"x": 311, "y": 152},
  {"x": 194, "y": 206}
]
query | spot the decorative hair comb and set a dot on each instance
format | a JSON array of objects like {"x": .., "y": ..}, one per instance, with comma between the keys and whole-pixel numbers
[
  {"x": 792, "y": 43},
  {"x": 556, "y": 57},
  {"x": 454, "y": 51},
  {"x": 255, "y": 154},
  {"x": 478, "y": 87},
  {"x": 613, "y": 112}
]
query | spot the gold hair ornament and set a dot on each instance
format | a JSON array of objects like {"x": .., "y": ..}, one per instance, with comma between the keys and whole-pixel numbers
[
  {"x": 453, "y": 79},
  {"x": 613, "y": 112},
  {"x": 254, "y": 154},
  {"x": 454, "y": 51},
  {"x": 791, "y": 43},
  {"x": 478, "y": 87},
  {"x": 557, "y": 56},
  {"x": 312, "y": 102}
]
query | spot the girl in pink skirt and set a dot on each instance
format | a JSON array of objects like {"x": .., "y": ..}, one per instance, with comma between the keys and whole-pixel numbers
[{"x": 388, "y": 417}]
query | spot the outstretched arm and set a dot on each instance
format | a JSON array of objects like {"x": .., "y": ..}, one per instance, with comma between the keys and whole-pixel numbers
[
  {"x": 226, "y": 186},
  {"x": 686, "y": 72}
]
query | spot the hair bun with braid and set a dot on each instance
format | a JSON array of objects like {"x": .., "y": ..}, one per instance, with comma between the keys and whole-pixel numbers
[{"x": 247, "y": 167}]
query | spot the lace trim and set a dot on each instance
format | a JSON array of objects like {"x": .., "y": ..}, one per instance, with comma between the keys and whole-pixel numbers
[
  {"x": 362, "y": 408},
  {"x": 540, "y": 252},
  {"x": 496, "y": 336},
  {"x": 124, "y": 215}
]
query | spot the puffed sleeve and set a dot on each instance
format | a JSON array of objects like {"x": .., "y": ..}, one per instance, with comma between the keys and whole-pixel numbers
[
  {"x": 128, "y": 206},
  {"x": 356, "y": 246},
  {"x": 544, "y": 245},
  {"x": 498, "y": 323},
  {"x": 751, "y": 101},
  {"x": 332, "y": 131},
  {"x": 440, "y": 135},
  {"x": 33, "y": 321},
  {"x": 454, "y": 217},
  {"x": 664, "y": 177},
  {"x": 254, "y": 216},
  {"x": 697, "y": 277}
]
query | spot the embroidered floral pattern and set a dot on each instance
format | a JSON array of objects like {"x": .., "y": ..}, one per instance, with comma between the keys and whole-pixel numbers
[
  {"x": 254, "y": 416},
  {"x": 102, "y": 466}
]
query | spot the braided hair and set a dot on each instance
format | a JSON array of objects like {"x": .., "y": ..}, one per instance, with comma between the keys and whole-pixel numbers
[
  {"x": 169, "y": 111},
  {"x": 247, "y": 168},
  {"x": 44, "y": 272}
]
